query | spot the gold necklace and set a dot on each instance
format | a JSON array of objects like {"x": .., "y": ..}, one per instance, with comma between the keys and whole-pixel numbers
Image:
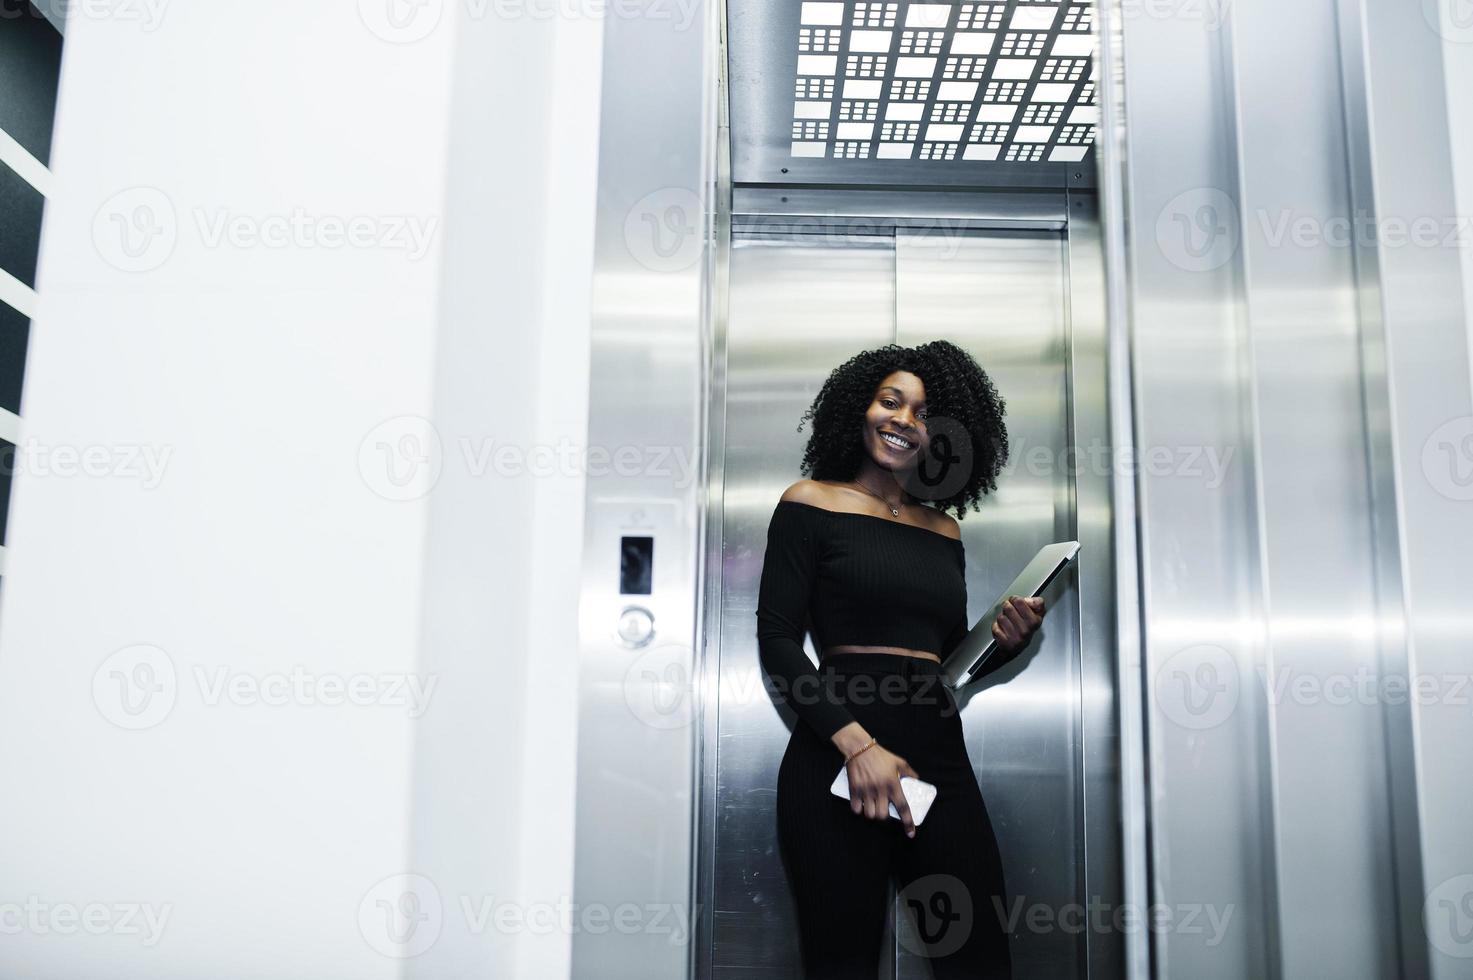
[{"x": 894, "y": 508}]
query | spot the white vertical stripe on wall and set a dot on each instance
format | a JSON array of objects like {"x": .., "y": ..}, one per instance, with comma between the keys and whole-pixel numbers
[
  {"x": 17, "y": 294},
  {"x": 17, "y": 158},
  {"x": 9, "y": 425},
  {"x": 495, "y": 762}
]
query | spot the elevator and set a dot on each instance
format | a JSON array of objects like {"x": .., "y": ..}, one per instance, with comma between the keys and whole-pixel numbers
[
  {"x": 1073, "y": 194},
  {"x": 807, "y": 261},
  {"x": 804, "y": 296}
]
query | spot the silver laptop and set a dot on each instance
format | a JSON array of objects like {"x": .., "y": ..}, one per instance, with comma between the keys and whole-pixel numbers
[{"x": 979, "y": 644}]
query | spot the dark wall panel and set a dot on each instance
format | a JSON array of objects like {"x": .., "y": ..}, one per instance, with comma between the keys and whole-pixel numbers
[
  {"x": 21, "y": 206},
  {"x": 15, "y": 334},
  {"x": 30, "y": 67},
  {"x": 7, "y": 474}
]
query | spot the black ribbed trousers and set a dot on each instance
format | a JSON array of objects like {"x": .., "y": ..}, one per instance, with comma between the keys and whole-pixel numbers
[{"x": 839, "y": 864}]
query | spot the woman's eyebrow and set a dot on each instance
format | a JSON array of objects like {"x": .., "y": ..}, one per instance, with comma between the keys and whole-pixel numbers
[{"x": 897, "y": 391}]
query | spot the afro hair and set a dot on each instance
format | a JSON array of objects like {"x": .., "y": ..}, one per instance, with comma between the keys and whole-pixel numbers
[{"x": 967, "y": 441}]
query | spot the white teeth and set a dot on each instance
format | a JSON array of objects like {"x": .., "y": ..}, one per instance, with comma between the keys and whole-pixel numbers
[{"x": 895, "y": 441}]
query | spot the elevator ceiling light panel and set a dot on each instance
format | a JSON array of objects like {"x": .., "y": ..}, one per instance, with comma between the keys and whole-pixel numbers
[
  {"x": 1008, "y": 80},
  {"x": 889, "y": 85}
]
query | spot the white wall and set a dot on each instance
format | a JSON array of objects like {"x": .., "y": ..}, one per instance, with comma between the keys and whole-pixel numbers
[
  {"x": 245, "y": 410},
  {"x": 494, "y": 781}
]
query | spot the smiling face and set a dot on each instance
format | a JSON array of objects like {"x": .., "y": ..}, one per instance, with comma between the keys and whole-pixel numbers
[{"x": 895, "y": 422}]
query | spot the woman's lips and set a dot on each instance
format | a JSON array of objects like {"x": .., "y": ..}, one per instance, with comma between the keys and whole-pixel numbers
[{"x": 897, "y": 448}]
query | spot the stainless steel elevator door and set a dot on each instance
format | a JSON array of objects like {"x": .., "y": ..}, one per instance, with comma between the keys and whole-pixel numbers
[{"x": 799, "y": 306}]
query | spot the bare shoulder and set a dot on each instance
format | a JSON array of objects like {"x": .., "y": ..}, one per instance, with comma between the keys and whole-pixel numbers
[
  {"x": 943, "y": 523},
  {"x": 809, "y": 492}
]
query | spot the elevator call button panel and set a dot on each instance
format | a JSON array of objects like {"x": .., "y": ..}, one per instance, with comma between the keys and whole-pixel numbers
[{"x": 631, "y": 532}]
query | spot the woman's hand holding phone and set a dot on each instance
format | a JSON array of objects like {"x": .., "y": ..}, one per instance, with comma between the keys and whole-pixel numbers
[{"x": 874, "y": 784}]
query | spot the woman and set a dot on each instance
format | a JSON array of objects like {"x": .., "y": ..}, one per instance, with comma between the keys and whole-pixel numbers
[{"x": 882, "y": 577}]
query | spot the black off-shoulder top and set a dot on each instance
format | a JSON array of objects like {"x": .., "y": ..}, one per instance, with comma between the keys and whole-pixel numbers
[{"x": 859, "y": 579}]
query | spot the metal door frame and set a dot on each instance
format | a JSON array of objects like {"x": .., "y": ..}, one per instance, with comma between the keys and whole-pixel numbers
[
  {"x": 1107, "y": 735},
  {"x": 664, "y": 154}
]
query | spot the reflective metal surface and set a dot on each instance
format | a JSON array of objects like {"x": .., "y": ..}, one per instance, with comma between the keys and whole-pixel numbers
[
  {"x": 1418, "y": 398},
  {"x": 800, "y": 210},
  {"x": 1104, "y": 595},
  {"x": 1329, "y": 790},
  {"x": 639, "y": 715},
  {"x": 1201, "y": 577},
  {"x": 797, "y": 309},
  {"x": 1269, "y": 412},
  {"x": 1279, "y": 312},
  {"x": 765, "y": 60},
  {"x": 1001, "y": 296},
  {"x": 1040, "y": 732}
]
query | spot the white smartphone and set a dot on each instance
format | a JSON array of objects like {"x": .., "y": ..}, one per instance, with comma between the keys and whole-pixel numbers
[{"x": 919, "y": 794}]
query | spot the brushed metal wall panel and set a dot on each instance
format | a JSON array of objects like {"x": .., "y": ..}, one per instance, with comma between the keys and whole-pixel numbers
[
  {"x": 1332, "y": 812},
  {"x": 1000, "y": 295},
  {"x": 798, "y": 307},
  {"x": 1201, "y": 576},
  {"x": 797, "y": 310},
  {"x": 639, "y": 712},
  {"x": 1418, "y": 393}
]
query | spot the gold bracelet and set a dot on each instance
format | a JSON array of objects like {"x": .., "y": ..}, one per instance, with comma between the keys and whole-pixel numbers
[{"x": 851, "y": 758}]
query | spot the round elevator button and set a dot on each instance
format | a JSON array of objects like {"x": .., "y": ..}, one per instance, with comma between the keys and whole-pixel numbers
[{"x": 636, "y": 626}]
